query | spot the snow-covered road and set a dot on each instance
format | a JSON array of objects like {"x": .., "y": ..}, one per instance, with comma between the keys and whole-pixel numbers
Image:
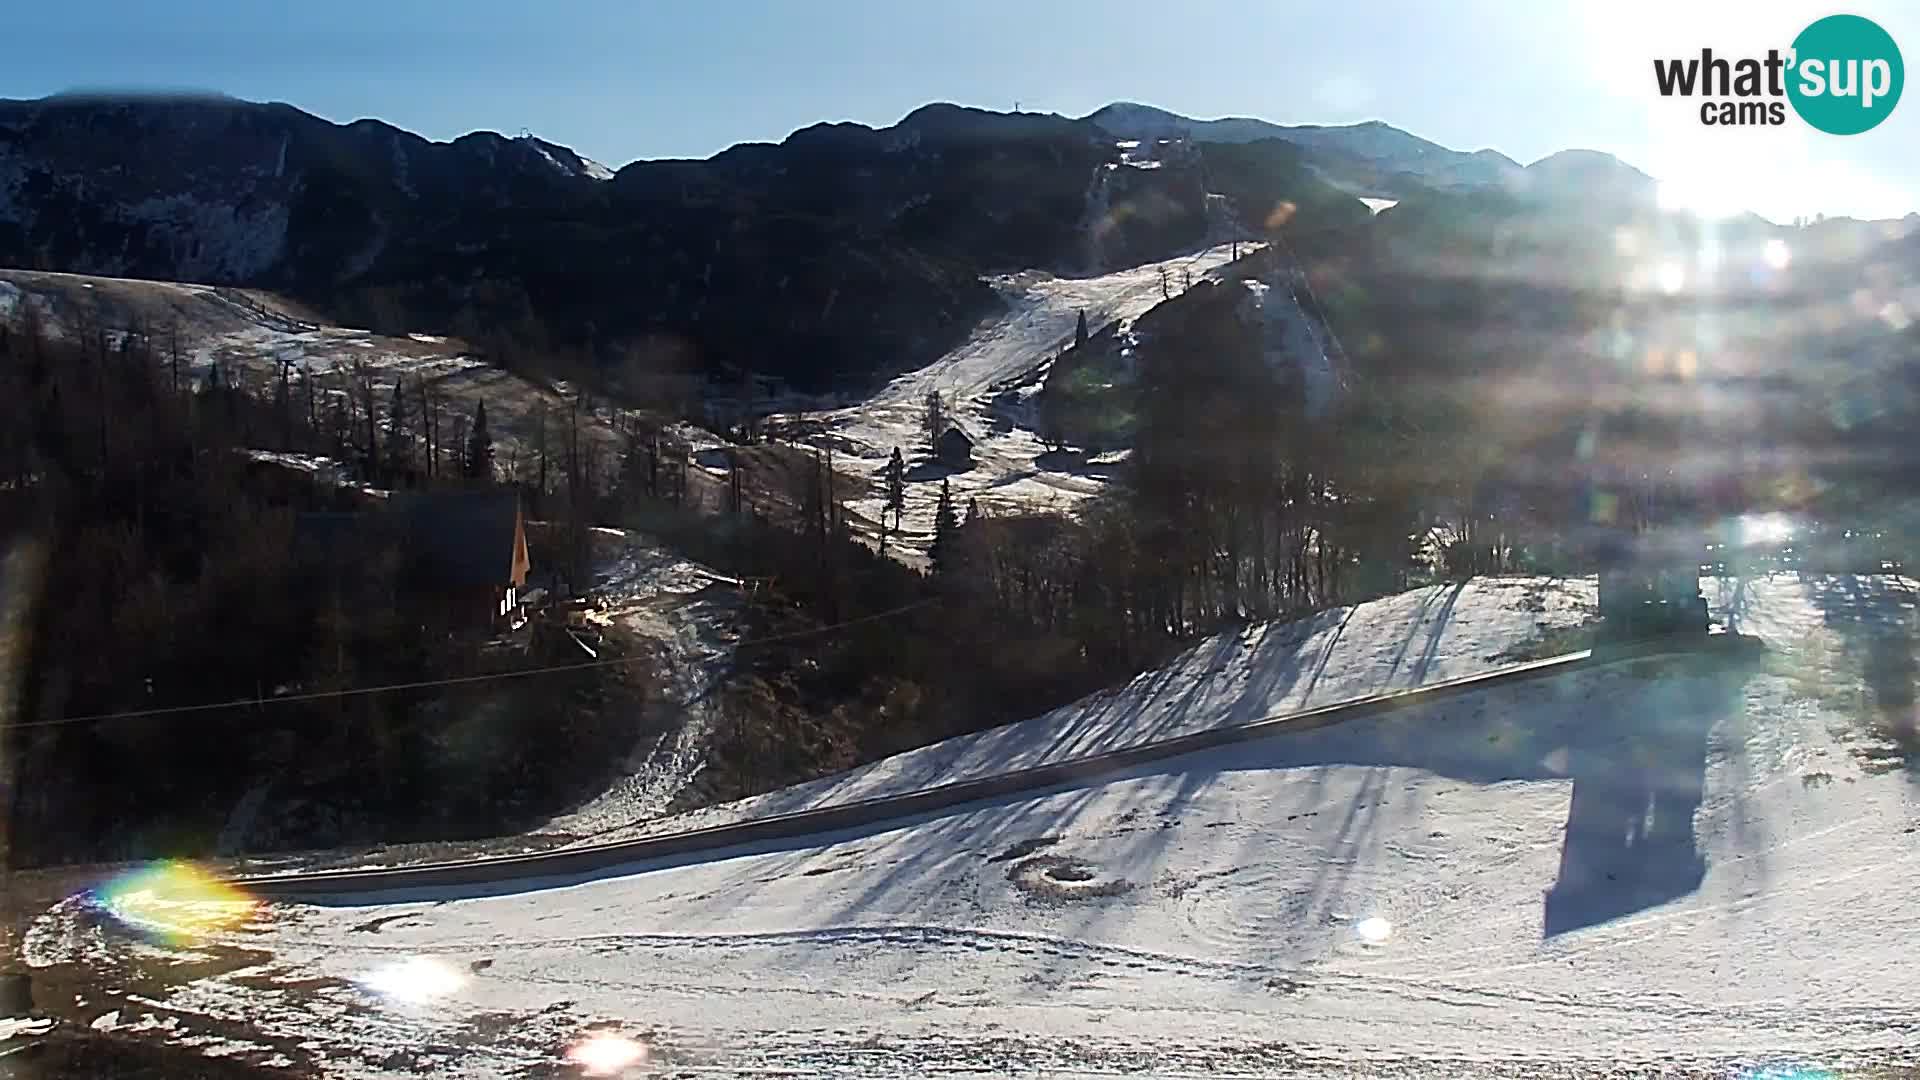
[{"x": 1681, "y": 865}]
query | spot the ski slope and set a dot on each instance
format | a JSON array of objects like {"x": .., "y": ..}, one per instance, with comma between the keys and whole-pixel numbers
[
  {"x": 976, "y": 381},
  {"x": 1412, "y": 639},
  {"x": 1695, "y": 867}
]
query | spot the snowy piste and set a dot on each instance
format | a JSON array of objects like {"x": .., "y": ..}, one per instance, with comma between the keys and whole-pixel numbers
[{"x": 1688, "y": 865}]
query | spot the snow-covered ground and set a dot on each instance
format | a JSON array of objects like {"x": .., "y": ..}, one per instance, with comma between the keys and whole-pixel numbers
[
  {"x": 1679, "y": 865},
  {"x": 1411, "y": 639},
  {"x": 686, "y": 613},
  {"x": 1004, "y": 351},
  {"x": 1690, "y": 865}
]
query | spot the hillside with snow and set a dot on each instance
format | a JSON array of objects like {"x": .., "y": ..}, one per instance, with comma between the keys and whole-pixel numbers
[
  {"x": 251, "y": 336},
  {"x": 986, "y": 385},
  {"x": 1695, "y": 866},
  {"x": 1412, "y": 639}
]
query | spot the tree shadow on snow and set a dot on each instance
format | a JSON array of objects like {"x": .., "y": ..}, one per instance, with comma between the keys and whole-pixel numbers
[
  {"x": 930, "y": 469},
  {"x": 1076, "y": 463},
  {"x": 1637, "y": 780},
  {"x": 1633, "y": 739},
  {"x": 1873, "y": 688}
]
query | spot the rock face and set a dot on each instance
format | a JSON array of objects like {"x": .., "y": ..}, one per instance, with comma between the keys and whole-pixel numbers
[
  {"x": 213, "y": 189},
  {"x": 844, "y": 250}
]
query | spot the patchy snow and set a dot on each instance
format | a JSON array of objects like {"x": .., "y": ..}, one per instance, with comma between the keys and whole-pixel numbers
[
  {"x": 1377, "y": 205},
  {"x": 313, "y": 463},
  {"x": 253, "y": 345},
  {"x": 1671, "y": 866},
  {"x": 1290, "y": 338},
  {"x": 686, "y": 613},
  {"x": 213, "y": 240},
  {"x": 14, "y": 1027},
  {"x": 978, "y": 382}
]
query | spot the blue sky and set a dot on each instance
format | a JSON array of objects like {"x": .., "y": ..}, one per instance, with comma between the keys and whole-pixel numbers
[{"x": 627, "y": 79}]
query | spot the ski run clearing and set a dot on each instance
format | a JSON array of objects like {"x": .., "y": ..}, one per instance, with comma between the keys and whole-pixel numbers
[
  {"x": 985, "y": 385},
  {"x": 1700, "y": 865}
]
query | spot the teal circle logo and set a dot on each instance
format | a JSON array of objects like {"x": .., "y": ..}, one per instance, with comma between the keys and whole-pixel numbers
[{"x": 1846, "y": 74}]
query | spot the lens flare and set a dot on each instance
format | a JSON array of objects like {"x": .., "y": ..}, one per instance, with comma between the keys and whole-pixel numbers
[
  {"x": 175, "y": 903},
  {"x": 415, "y": 980},
  {"x": 605, "y": 1053},
  {"x": 1374, "y": 930},
  {"x": 1671, "y": 277},
  {"x": 1789, "y": 1072},
  {"x": 1777, "y": 254},
  {"x": 1766, "y": 529}
]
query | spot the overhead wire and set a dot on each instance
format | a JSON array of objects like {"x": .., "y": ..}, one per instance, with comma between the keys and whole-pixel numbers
[{"x": 427, "y": 684}]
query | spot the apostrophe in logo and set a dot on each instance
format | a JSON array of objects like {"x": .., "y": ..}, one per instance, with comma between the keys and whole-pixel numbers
[
  {"x": 1847, "y": 74},
  {"x": 1843, "y": 75}
]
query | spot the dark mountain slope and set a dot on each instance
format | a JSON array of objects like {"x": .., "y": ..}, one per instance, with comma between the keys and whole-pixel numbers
[{"x": 842, "y": 251}]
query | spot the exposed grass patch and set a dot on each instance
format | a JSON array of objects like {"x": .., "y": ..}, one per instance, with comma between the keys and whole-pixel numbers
[{"x": 1551, "y": 641}]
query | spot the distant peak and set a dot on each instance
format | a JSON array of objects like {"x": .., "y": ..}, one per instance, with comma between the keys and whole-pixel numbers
[
  {"x": 943, "y": 118},
  {"x": 1583, "y": 159}
]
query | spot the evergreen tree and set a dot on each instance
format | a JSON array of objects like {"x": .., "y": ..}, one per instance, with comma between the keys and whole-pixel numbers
[
  {"x": 896, "y": 488},
  {"x": 935, "y": 420},
  {"x": 973, "y": 511},
  {"x": 480, "y": 446},
  {"x": 943, "y": 529},
  {"x": 1080, "y": 331}
]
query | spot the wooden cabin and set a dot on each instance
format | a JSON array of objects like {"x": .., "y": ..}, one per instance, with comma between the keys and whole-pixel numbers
[
  {"x": 954, "y": 450},
  {"x": 461, "y": 554}
]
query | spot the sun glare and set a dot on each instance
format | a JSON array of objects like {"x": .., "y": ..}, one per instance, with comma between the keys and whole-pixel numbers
[
  {"x": 1777, "y": 254},
  {"x": 1374, "y": 930},
  {"x": 605, "y": 1053},
  {"x": 1698, "y": 197},
  {"x": 1672, "y": 277},
  {"x": 1766, "y": 528},
  {"x": 413, "y": 980}
]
